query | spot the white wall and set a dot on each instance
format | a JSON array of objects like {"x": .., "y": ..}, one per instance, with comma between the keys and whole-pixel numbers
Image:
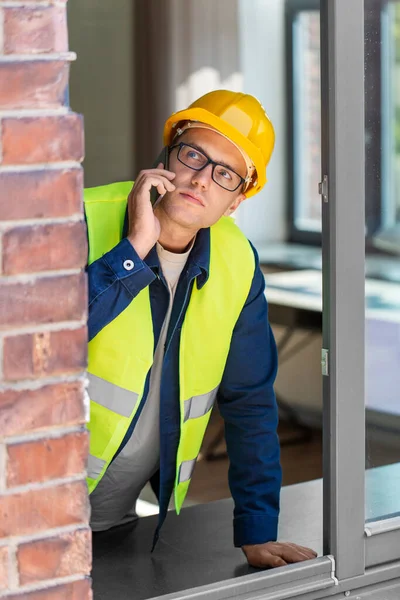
[
  {"x": 262, "y": 47},
  {"x": 204, "y": 48}
]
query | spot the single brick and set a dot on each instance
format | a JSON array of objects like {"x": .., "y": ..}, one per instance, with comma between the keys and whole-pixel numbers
[
  {"x": 42, "y": 509},
  {"x": 44, "y": 353},
  {"x": 42, "y": 139},
  {"x": 77, "y": 590},
  {"x": 42, "y": 460},
  {"x": 4, "y": 559},
  {"x": 24, "y": 411},
  {"x": 40, "y": 194},
  {"x": 44, "y": 300},
  {"x": 35, "y": 30},
  {"x": 51, "y": 558},
  {"x": 36, "y": 248},
  {"x": 33, "y": 84}
]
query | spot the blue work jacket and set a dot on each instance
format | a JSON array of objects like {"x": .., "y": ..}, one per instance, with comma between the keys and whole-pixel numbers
[{"x": 245, "y": 398}]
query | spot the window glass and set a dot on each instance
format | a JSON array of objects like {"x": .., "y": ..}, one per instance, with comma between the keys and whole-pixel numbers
[
  {"x": 388, "y": 238},
  {"x": 306, "y": 120},
  {"x": 382, "y": 122},
  {"x": 382, "y": 326}
]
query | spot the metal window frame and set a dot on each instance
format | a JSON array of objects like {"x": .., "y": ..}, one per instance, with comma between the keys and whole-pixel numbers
[
  {"x": 382, "y": 543},
  {"x": 343, "y": 163},
  {"x": 312, "y": 577},
  {"x": 354, "y": 545}
]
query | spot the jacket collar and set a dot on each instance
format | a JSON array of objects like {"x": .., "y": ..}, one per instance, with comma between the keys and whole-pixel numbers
[{"x": 198, "y": 264}]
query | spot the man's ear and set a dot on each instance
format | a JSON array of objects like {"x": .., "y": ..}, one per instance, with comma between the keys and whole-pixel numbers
[{"x": 234, "y": 205}]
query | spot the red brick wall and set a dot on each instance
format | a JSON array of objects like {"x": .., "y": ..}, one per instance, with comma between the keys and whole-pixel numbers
[{"x": 45, "y": 546}]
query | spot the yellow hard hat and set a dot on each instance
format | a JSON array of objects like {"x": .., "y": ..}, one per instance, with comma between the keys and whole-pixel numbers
[{"x": 239, "y": 117}]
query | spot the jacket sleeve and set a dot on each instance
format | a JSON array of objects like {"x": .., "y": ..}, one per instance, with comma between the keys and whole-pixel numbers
[
  {"x": 114, "y": 280},
  {"x": 248, "y": 406}
]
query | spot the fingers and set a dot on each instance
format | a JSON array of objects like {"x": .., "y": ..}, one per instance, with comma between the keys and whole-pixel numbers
[
  {"x": 161, "y": 187},
  {"x": 158, "y": 171},
  {"x": 293, "y": 553},
  {"x": 307, "y": 551},
  {"x": 169, "y": 186},
  {"x": 162, "y": 183},
  {"x": 277, "y": 554},
  {"x": 262, "y": 559},
  {"x": 269, "y": 560}
]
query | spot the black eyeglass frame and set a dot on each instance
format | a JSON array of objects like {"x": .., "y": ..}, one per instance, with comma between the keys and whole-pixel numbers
[{"x": 209, "y": 162}]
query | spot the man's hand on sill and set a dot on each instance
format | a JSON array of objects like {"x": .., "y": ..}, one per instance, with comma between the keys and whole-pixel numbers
[{"x": 276, "y": 554}]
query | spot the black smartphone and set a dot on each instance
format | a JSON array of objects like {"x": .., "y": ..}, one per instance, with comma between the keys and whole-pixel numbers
[{"x": 163, "y": 158}]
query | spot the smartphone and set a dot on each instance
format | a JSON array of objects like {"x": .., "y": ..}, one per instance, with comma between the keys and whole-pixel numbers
[{"x": 163, "y": 158}]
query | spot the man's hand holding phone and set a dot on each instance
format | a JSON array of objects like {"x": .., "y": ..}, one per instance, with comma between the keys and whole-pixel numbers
[{"x": 144, "y": 227}]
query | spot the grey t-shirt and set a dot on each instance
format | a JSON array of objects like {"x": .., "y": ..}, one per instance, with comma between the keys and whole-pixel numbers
[{"x": 113, "y": 501}]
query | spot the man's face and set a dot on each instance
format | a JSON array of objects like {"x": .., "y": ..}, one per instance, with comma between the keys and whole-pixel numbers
[{"x": 198, "y": 201}]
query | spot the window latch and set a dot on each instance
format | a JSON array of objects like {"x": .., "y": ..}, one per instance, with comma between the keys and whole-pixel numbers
[
  {"x": 325, "y": 362},
  {"x": 323, "y": 188}
]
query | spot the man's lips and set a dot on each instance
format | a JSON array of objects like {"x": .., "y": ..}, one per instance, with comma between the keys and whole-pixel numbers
[{"x": 193, "y": 198}]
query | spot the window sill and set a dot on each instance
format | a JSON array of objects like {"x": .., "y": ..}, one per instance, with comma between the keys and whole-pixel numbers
[{"x": 195, "y": 557}]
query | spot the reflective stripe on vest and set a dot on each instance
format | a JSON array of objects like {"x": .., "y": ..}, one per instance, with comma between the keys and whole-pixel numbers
[
  {"x": 199, "y": 405},
  {"x": 186, "y": 470},
  {"x": 111, "y": 396},
  {"x": 121, "y": 354},
  {"x": 95, "y": 466}
]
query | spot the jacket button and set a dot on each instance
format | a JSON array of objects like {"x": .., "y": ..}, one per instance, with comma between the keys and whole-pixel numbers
[{"x": 128, "y": 265}]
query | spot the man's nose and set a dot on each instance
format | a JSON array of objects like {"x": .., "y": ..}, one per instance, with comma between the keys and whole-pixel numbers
[{"x": 203, "y": 178}]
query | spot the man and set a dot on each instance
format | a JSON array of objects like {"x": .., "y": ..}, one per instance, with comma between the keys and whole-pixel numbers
[{"x": 178, "y": 319}]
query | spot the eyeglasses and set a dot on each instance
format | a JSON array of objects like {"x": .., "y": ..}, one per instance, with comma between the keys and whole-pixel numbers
[{"x": 195, "y": 159}]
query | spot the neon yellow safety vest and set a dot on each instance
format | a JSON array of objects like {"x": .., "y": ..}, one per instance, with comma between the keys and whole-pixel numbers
[{"x": 121, "y": 354}]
